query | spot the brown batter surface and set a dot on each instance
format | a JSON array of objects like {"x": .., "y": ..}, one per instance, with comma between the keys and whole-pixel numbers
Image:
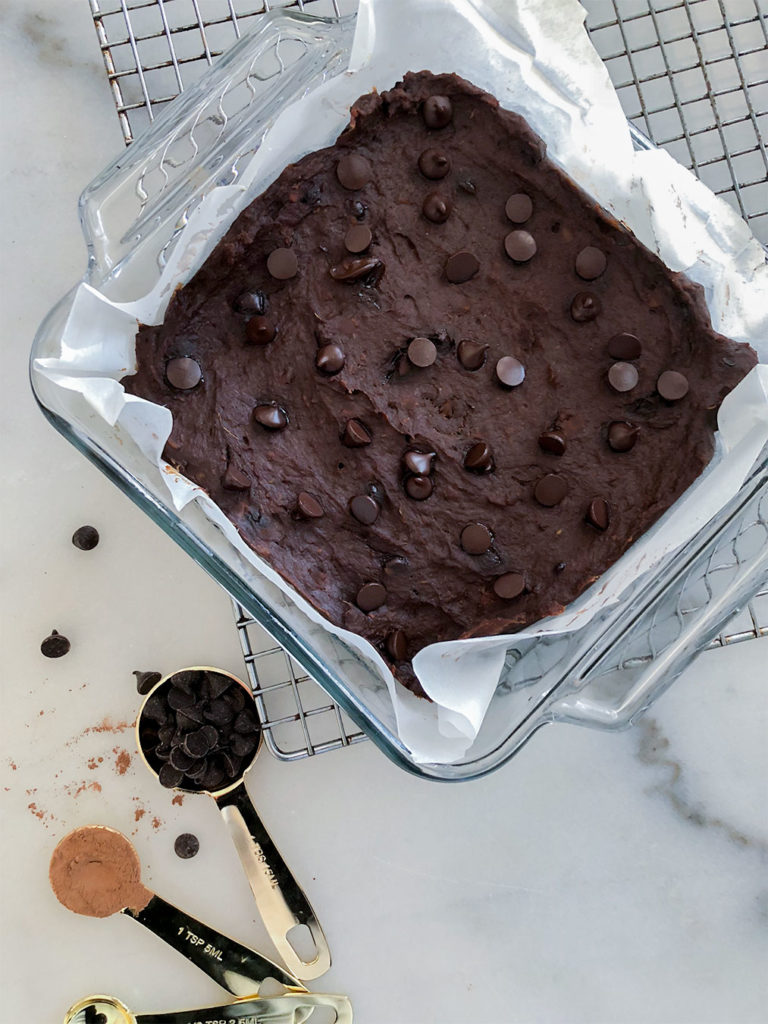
[{"x": 328, "y": 397}]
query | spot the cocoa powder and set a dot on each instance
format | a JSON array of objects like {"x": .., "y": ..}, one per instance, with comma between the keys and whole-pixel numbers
[{"x": 95, "y": 871}]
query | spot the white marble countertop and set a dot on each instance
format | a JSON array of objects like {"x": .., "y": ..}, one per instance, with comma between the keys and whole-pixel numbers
[{"x": 594, "y": 879}]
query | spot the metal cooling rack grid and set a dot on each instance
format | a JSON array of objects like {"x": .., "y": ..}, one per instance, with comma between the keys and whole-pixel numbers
[{"x": 691, "y": 75}]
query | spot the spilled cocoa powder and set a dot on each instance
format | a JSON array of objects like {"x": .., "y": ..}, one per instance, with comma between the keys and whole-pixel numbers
[{"x": 95, "y": 871}]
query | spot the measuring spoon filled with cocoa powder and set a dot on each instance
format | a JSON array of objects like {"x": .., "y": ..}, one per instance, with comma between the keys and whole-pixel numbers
[
  {"x": 95, "y": 871},
  {"x": 198, "y": 732}
]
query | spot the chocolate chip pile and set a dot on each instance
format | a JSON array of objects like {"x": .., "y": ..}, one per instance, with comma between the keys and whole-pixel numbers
[
  {"x": 430, "y": 382},
  {"x": 199, "y": 731}
]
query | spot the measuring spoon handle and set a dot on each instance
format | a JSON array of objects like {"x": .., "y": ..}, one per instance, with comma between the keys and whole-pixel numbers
[
  {"x": 237, "y": 968},
  {"x": 279, "y": 898}
]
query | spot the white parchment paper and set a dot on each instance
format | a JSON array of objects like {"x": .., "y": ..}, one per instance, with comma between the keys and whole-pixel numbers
[{"x": 536, "y": 59}]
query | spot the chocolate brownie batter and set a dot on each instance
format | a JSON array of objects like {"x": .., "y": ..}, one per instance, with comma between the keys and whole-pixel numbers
[{"x": 430, "y": 381}]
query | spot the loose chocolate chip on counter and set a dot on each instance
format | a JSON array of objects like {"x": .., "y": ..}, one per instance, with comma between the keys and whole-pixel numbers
[
  {"x": 436, "y": 208},
  {"x": 510, "y": 372},
  {"x": 260, "y": 331},
  {"x": 234, "y": 480},
  {"x": 437, "y": 111},
  {"x": 552, "y": 442},
  {"x": 146, "y": 680},
  {"x": 591, "y": 263},
  {"x": 598, "y": 514},
  {"x": 476, "y": 538},
  {"x": 269, "y": 416},
  {"x": 471, "y": 355},
  {"x": 422, "y": 352},
  {"x": 251, "y": 303},
  {"x": 434, "y": 164},
  {"x": 418, "y": 487},
  {"x": 623, "y": 377},
  {"x": 358, "y": 238},
  {"x": 585, "y": 307},
  {"x": 396, "y": 566},
  {"x": 353, "y": 268},
  {"x": 550, "y": 490},
  {"x": 518, "y": 208},
  {"x": 355, "y": 434},
  {"x": 461, "y": 266},
  {"x": 520, "y": 246},
  {"x": 308, "y": 507},
  {"x": 364, "y": 509},
  {"x": 624, "y": 346},
  {"x": 509, "y": 586},
  {"x": 353, "y": 172},
  {"x": 672, "y": 385},
  {"x": 170, "y": 777},
  {"x": 622, "y": 435},
  {"x": 55, "y": 645},
  {"x": 370, "y": 597},
  {"x": 479, "y": 458},
  {"x": 418, "y": 462},
  {"x": 186, "y": 845},
  {"x": 183, "y": 373},
  {"x": 396, "y": 644},
  {"x": 282, "y": 264},
  {"x": 330, "y": 359},
  {"x": 85, "y": 538}
]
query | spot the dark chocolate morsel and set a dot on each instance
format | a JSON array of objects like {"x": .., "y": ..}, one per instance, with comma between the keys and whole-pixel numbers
[
  {"x": 180, "y": 759},
  {"x": 269, "y": 416},
  {"x": 246, "y": 723},
  {"x": 355, "y": 434},
  {"x": 220, "y": 712},
  {"x": 396, "y": 566},
  {"x": 329, "y": 359},
  {"x": 85, "y": 538},
  {"x": 520, "y": 246},
  {"x": 370, "y": 597},
  {"x": 183, "y": 373},
  {"x": 471, "y": 355},
  {"x": 170, "y": 777},
  {"x": 552, "y": 442},
  {"x": 358, "y": 238},
  {"x": 479, "y": 458},
  {"x": 364, "y": 509},
  {"x": 590, "y": 263},
  {"x": 186, "y": 845},
  {"x": 436, "y": 208},
  {"x": 396, "y": 644},
  {"x": 260, "y": 330},
  {"x": 437, "y": 111},
  {"x": 178, "y": 698},
  {"x": 623, "y": 377},
  {"x": 598, "y": 514},
  {"x": 418, "y": 487},
  {"x": 217, "y": 684},
  {"x": 622, "y": 435},
  {"x": 358, "y": 209},
  {"x": 518, "y": 208},
  {"x": 672, "y": 385},
  {"x": 422, "y": 352},
  {"x": 585, "y": 307},
  {"x": 509, "y": 586},
  {"x": 560, "y": 567},
  {"x": 243, "y": 745},
  {"x": 213, "y": 778},
  {"x": 251, "y": 303},
  {"x": 461, "y": 266},
  {"x": 476, "y": 538},
  {"x": 624, "y": 346},
  {"x": 418, "y": 462},
  {"x": 234, "y": 480},
  {"x": 146, "y": 680},
  {"x": 55, "y": 645},
  {"x": 434, "y": 164},
  {"x": 510, "y": 371},
  {"x": 468, "y": 186},
  {"x": 282, "y": 264},
  {"x": 550, "y": 490},
  {"x": 308, "y": 507},
  {"x": 353, "y": 172},
  {"x": 352, "y": 268}
]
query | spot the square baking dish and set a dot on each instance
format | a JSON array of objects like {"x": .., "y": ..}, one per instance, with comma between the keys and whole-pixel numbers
[{"x": 132, "y": 215}]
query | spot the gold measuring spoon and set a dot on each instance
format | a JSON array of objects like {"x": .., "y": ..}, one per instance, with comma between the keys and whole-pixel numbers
[
  {"x": 180, "y": 729},
  {"x": 287, "y": 1009},
  {"x": 95, "y": 871}
]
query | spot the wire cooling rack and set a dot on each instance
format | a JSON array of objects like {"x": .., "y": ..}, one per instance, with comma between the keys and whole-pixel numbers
[{"x": 692, "y": 75}]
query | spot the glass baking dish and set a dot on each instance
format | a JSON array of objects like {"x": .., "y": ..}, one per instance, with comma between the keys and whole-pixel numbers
[{"x": 603, "y": 675}]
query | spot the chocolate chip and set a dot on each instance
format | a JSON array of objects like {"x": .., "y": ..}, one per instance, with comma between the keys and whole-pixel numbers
[
  {"x": 213, "y": 778},
  {"x": 196, "y": 772},
  {"x": 520, "y": 246},
  {"x": 476, "y": 538},
  {"x": 468, "y": 186},
  {"x": 396, "y": 566},
  {"x": 189, "y": 718},
  {"x": 260, "y": 331},
  {"x": 353, "y": 172},
  {"x": 598, "y": 514},
  {"x": 509, "y": 586},
  {"x": 422, "y": 352},
  {"x": 518, "y": 208},
  {"x": 418, "y": 462},
  {"x": 183, "y": 373},
  {"x": 396, "y": 644},
  {"x": 231, "y": 764},
  {"x": 624, "y": 346},
  {"x": 155, "y": 709},
  {"x": 237, "y": 697},
  {"x": 552, "y": 442},
  {"x": 186, "y": 845},
  {"x": 622, "y": 435},
  {"x": 550, "y": 490},
  {"x": 330, "y": 359},
  {"x": 270, "y": 416},
  {"x": 282, "y": 264},
  {"x": 244, "y": 745},
  {"x": 355, "y": 434},
  {"x": 434, "y": 164},
  {"x": 308, "y": 507},
  {"x": 198, "y": 743},
  {"x": 623, "y": 377},
  {"x": 220, "y": 712},
  {"x": 234, "y": 480},
  {"x": 418, "y": 487},
  {"x": 364, "y": 509},
  {"x": 370, "y": 597},
  {"x": 246, "y": 723},
  {"x": 251, "y": 303},
  {"x": 560, "y": 567},
  {"x": 472, "y": 355},
  {"x": 672, "y": 385},
  {"x": 358, "y": 238},
  {"x": 217, "y": 684},
  {"x": 170, "y": 777},
  {"x": 590, "y": 263},
  {"x": 358, "y": 209},
  {"x": 93, "y": 1016},
  {"x": 479, "y": 458},
  {"x": 436, "y": 208},
  {"x": 85, "y": 538},
  {"x": 178, "y": 698},
  {"x": 585, "y": 307},
  {"x": 461, "y": 266},
  {"x": 146, "y": 680},
  {"x": 510, "y": 372},
  {"x": 437, "y": 111},
  {"x": 180, "y": 759},
  {"x": 55, "y": 645},
  {"x": 353, "y": 268}
]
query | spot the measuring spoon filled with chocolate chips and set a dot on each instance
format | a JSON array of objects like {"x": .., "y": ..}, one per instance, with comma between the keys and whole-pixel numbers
[{"x": 198, "y": 731}]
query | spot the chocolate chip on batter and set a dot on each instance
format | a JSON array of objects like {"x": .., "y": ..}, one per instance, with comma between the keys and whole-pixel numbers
[
  {"x": 510, "y": 372},
  {"x": 436, "y": 208},
  {"x": 518, "y": 208},
  {"x": 396, "y": 644},
  {"x": 552, "y": 442},
  {"x": 355, "y": 434},
  {"x": 396, "y": 566},
  {"x": 471, "y": 354},
  {"x": 234, "y": 480},
  {"x": 260, "y": 330},
  {"x": 270, "y": 416},
  {"x": 418, "y": 487},
  {"x": 251, "y": 303},
  {"x": 509, "y": 586},
  {"x": 476, "y": 538},
  {"x": 422, "y": 352},
  {"x": 624, "y": 346},
  {"x": 622, "y": 435},
  {"x": 437, "y": 111},
  {"x": 364, "y": 509},
  {"x": 308, "y": 507},
  {"x": 418, "y": 462},
  {"x": 585, "y": 307},
  {"x": 434, "y": 164},
  {"x": 520, "y": 246},
  {"x": 623, "y": 377},
  {"x": 358, "y": 209},
  {"x": 55, "y": 645},
  {"x": 550, "y": 490},
  {"x": 370, "y": 597},
  {"x": 282, "y": 264},
  {"x": 358, "y": 238},
  {"x": 598, "y": 514},
  {"x": 461, "y": 266},
  {"x": 183, "y": 373},
  {"x": 353, "y": 172},
  {"x": 353, "y": 268},
  {"x": 591, "y": 263},
  {"x": 330, "y": 359},
  {"x": 672, "y": 385},
  {"x": 479, "y": 458}
]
